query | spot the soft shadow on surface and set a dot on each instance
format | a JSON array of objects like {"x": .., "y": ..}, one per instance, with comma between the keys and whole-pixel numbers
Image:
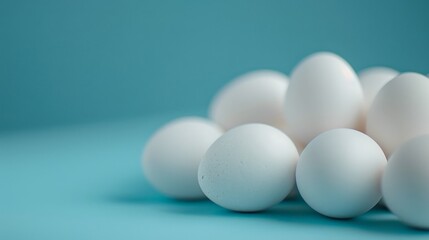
[
  {"x": 378, "y": 220},
  {"x": 296, "y": 212},
  {"x": 381, "y": 220}
]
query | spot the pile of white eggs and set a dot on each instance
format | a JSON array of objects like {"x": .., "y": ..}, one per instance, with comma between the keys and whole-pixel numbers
[{"x": 345, "y": 141}]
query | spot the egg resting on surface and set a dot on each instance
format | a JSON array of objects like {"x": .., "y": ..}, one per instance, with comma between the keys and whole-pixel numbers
[
  {"x": 172, "y": 155},
  {"x": 250, "y": 168},
  {"x": 405, "y": 182},
  {"x": 339, "y": 173}
]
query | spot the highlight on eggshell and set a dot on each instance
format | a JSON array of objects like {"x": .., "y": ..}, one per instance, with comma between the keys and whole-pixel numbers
[
  {"x": 324, "y": 93},
  {"x": 255, "y": 97},
  {"x": 400, "y": 111},
  {"x": 249, "y": 168},
  {"x": 304, "y": 134},
  {"x": 339, "y": 172}
]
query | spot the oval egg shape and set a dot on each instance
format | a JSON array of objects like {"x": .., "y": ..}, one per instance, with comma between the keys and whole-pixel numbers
[
  {"x": 400, "y": 111},
  {"x": 255, "y": 97},
  {"x": 324, "y": 93}
]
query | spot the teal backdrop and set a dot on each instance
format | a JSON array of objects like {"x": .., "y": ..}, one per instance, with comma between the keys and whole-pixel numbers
[
  {"x": 85, "y": 83},
  {"x": 65, "y": 62}
]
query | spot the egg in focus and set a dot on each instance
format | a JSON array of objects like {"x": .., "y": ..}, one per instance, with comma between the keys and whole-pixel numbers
[
  {"x": 324, "y": 93},
  {"x": 339, "y": 173},
  {"x": 249, "y": 168}
]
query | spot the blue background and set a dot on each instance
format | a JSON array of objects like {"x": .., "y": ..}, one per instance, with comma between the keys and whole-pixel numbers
[
  {"x": 76, "y": 61},
  {"x": 83, "y": 85},
  {"x": 85, "y": 182}
]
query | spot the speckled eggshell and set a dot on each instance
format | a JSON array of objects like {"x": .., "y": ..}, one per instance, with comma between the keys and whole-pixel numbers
[{"x": 250, "y": 168}]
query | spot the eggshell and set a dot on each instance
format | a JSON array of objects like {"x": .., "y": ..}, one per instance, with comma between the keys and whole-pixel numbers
[
  {"x": 372, "y": 80},
  {"x": 324, "y": 93},
  {"x": 250, "y": 168},
  {"x": 405, "y": 182},
  {"x": 339, "y": 173},
  {"x": 172, "y": 155},
  {"x": 400, "y": 111},
  {"x": 255, "y": 97}
]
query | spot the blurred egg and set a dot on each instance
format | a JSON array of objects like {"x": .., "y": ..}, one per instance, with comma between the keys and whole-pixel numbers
[
  {"x": 172, "y": 155},
  {"x": 372, "y": 80},
  {"x": 249, "y": 168},
  {"x": 400, "y": 111},
  {"x": 324, "y": 93},
  {"x": 405, "y": 182},
  {"x": 299, "y": 146},
  {"x": 294, "y": 194},
  {"x": 339, "y": 172},
  {"x": 255, "y": 97}
]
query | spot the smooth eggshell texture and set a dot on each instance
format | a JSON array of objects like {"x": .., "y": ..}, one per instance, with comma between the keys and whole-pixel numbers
[
  {"x": 372, "y": 80},
  {"x": 324, "y": 93},
  {"x": 339, "y": 173},
  {"x": 405, "y": 182},
  {"x": 250, "y": 168},
  {"x": 172, "y": 155},
  {"x": 255, "y": 97},
  {"x": 400, "y": 111}
]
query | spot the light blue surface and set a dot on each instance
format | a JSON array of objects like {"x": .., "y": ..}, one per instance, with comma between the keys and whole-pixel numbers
[
  {"x": 85, "y": 182},
  {"x": 67, "y": 61}
]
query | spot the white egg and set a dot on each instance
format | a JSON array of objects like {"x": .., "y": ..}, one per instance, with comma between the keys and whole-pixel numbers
[
  {"x": 400, "y": 111},
  {"x": 339, "y": 173},
  {"x": 249, "y": 168},
  {"x": 255, "y": 97},
  {"x": 324, "y": 93},
  {"x": 372, "y": 80},
  {"x": 172, "y": 155},
  {"x": 405, "y": 182},
  {"x": 299, "y": 146}
]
